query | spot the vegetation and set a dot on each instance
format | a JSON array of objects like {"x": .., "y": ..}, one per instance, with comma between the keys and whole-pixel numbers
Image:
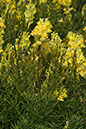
[{"x": 42, "y": 64}]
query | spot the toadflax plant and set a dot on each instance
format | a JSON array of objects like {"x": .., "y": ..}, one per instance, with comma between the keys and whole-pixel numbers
[
  {"x": 42, "y": 64},
  {"x": 2, "y": 27},
  {"x": 74, "y": 55},
  {"x": 29, "y": 14}
]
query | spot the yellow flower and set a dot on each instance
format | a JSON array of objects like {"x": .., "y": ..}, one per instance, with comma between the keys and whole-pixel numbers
[
  {"x": 61, "y": 94},
  {"x": 60, "y": 98},
  {"x": 82, "y": 72},
  {"x": 84, "y": 63},
  {"x": 1, "y": 50},
  {"x": 17, "y": 16},
  {"x": 61, "y": 20},
  {"x": 84, "y": 28},
  {"x": 1, "y": 24},
  {"x": 66, "y": 126}
]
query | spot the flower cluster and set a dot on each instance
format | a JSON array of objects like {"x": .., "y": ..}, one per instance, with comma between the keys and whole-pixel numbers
[
  {"x": 61, "y": 94},
  {"x": 5, "y": 64},
  {"x": 11, "y": 6},
  {"x": 74, "y": 55},
  {"x": 46, "y": 47},
  {"x": 24, "y": 42},
  {"x": 2, "y": 27},
  {"x": 63, "y": 2},
  {"x": 29, "y": 13},
  {"x": 42, "y": 29},
  {"x": 75, "y": 41},
  {"x": 59, "y": 3},
  {"x": 49, "y": 71},
  {"x": 57, "y": 47}
]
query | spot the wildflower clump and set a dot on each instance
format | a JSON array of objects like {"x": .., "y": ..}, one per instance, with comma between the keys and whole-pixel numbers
[
  {"x": 74, "y": 55},
  {"x": 5, "y": 63},
  {"x": 42, "y": 29},
  {"x": 57, "y": 47},
  {"x": 75, "y": 41},
  {"x": 2, "y": 27},
  {"x": 12, "y": 6},
  {"x": 59, "y": 3},
  {"x": 61, "y": 94},
  {"x": 24, "y": 42},
  {"x": 29, "y": 13},
  {"x": 63, "y": 2}
]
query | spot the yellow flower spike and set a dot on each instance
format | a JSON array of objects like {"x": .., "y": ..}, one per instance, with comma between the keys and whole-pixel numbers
[
  {"x": 2, "y": 27},
  {"x": 42, "y": 29},
  {"x": 29, "y": 13}
]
